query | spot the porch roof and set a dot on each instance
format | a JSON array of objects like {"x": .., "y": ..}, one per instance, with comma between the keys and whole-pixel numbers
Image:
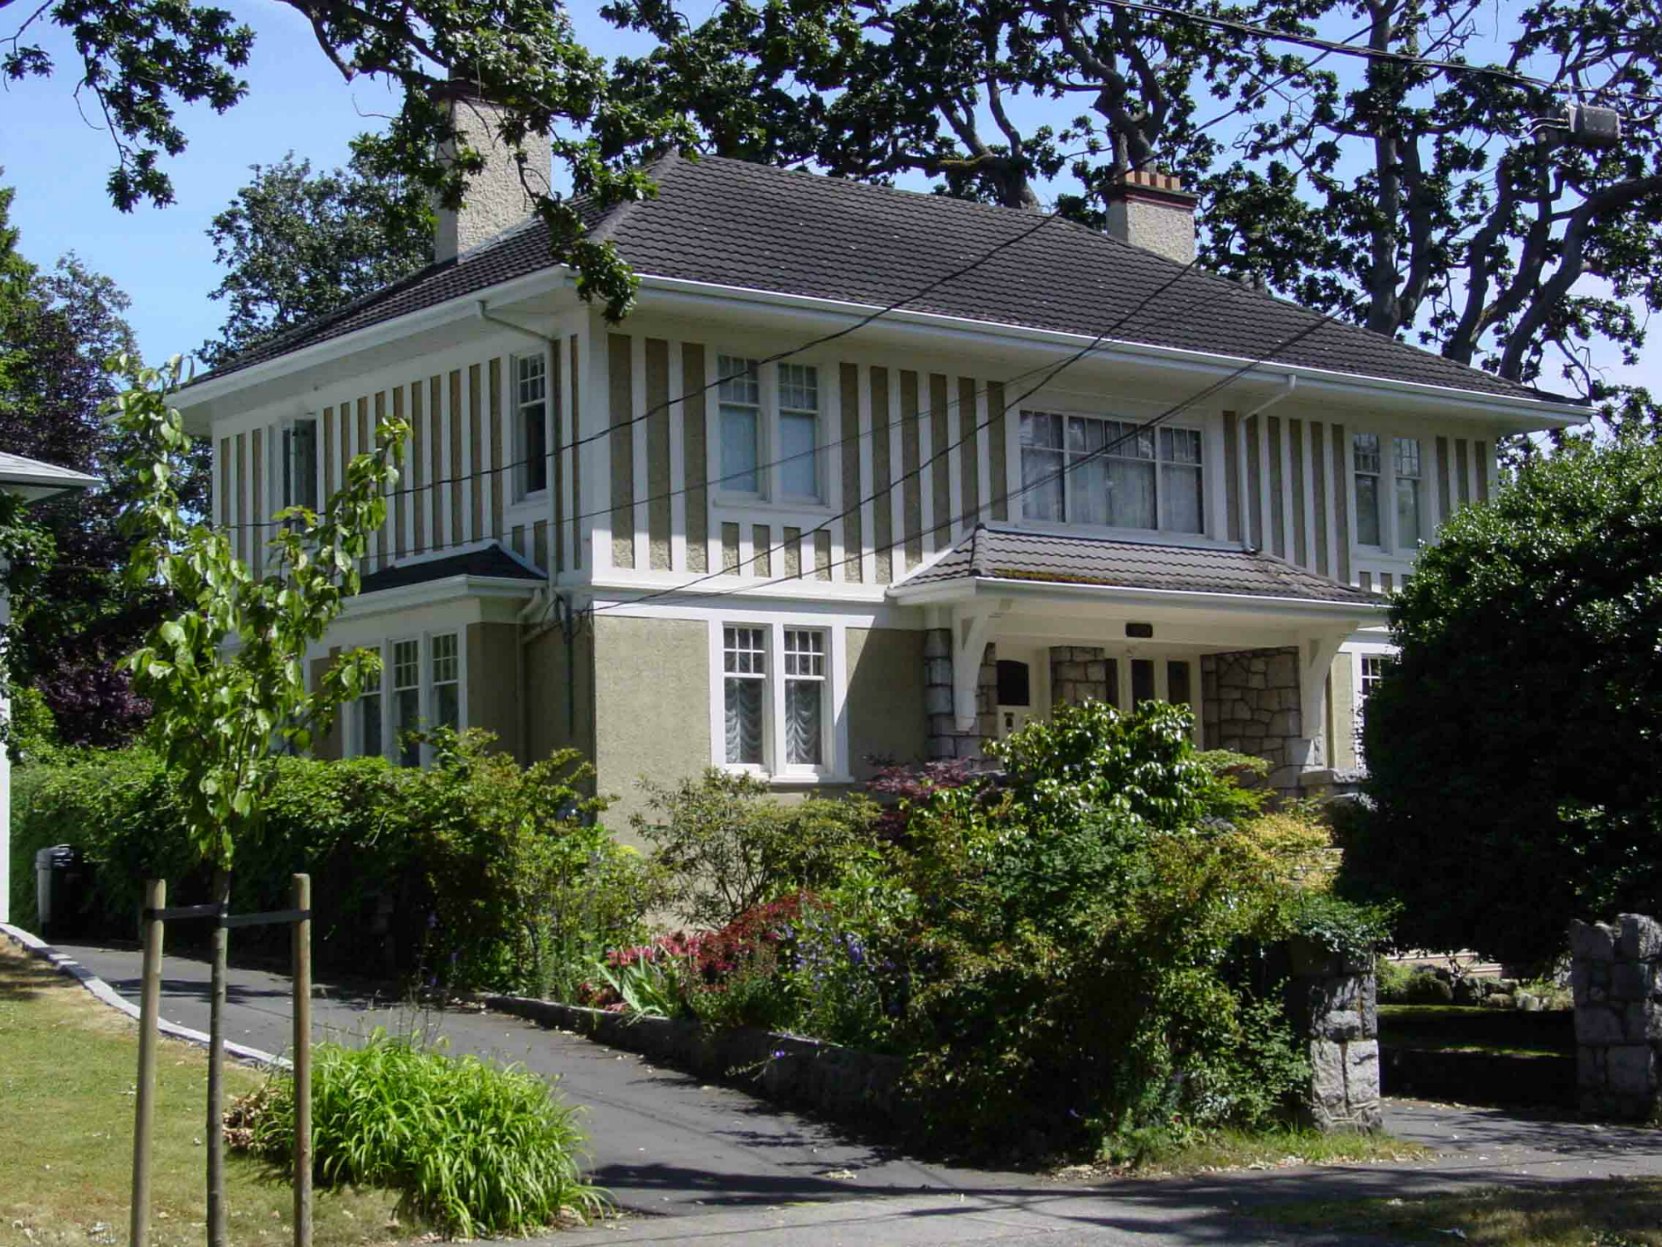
[{"x": 1014, "y": 556}]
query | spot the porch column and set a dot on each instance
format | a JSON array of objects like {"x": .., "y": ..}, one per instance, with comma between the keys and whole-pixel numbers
[{"x": 944, "y": 665}]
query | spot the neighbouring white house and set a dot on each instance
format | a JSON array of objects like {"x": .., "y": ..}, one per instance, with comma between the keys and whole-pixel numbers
[
  {"x": 30, "y": 480},
  {"x": 1064, "y": 464}
]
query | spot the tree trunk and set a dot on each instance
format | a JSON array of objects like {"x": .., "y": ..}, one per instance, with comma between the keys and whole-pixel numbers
[{"x": 217, "y": 1232}]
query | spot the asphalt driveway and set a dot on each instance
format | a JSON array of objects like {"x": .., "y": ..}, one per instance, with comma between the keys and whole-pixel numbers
[
  {"x": 662, "y": 1142},
  {"x": 749, "y": 1172}
]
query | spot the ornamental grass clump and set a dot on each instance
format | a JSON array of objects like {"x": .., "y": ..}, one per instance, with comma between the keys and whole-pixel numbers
[{"x": 472, "y": 1148}]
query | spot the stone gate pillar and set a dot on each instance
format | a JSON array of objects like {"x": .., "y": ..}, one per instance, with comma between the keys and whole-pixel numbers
[
  {"x": 1332, "y": 1002},
  {"x": 1616, "y": 977}
]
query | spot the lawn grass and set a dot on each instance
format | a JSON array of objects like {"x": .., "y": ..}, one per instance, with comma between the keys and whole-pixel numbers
[
  {"x": 67, "y": 1071},
  {"x": 1608, "y": 1212},
  {"x": 1273, "y": 1148}
]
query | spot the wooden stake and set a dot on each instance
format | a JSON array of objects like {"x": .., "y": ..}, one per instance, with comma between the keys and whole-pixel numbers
[
  {"x": 218, "y": 1234},
  {"x": 303, "y": 1064},
  {"x": 150, "y": 998}
]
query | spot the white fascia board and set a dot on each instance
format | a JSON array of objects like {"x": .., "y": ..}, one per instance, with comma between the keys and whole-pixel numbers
[
  {"x": 431, "y": 592},
  {"x": 1535, "y": 413},
  {"x": 463, "y": 307},
  {"x": 669, "y": 587},
  {"x": 1225, "y": 603}
]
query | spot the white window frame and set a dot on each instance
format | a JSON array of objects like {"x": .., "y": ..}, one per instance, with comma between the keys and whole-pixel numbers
[
  {"x": 774, "y": 767},
  {"x": 285, "y": 462},
  {"x": 522, "y": 473},
  {"x": 1359, "y": 691},
  {"x": 427, "y": 697},
  {"x": 1203, "y": 466},
  {"x": 770, "y": 473},
  {"x": 1390, "y": 544}
]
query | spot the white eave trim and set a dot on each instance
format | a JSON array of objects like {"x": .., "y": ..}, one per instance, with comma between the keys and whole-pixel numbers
[
  {"x": 1320, "y": 378},
  {"x": 431, "y": 592},
  {"x": 1542, "y": 413},
  {"x": 965, "y": 588}
]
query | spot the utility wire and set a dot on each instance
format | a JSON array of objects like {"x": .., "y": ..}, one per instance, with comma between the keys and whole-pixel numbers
[
  {"x": 1006, "y": 496},
  {"x": 1052, "y": 372}
]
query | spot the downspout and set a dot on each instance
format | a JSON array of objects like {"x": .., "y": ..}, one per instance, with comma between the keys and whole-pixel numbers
[
  {"x": 534, "y": 619},
  {"x": 1290, "y": 383}
]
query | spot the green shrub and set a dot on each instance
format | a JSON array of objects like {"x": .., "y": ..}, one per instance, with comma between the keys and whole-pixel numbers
[
  {"x": 1392, "y": 978},
  {"x": 1082, "y": 938},
  {"x": 473, "y": 873},
  {"x": 475, "y": 1148},
  {"x": 728, "y": 846},
  {"x": 1425, "y": 988}
]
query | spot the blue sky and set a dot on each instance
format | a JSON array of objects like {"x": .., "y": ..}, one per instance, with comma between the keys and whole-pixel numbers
[{"x": 58, "y": 162}]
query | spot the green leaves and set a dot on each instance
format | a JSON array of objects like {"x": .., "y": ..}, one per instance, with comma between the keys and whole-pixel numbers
[
  {"x": 225, "y": 677},
  {"x": 1521, "y": 721}
]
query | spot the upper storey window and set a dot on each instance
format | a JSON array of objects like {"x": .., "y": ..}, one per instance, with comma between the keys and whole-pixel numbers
[
  {"x": 300, "y": 464},
  {"x": 1387, "y": 492},
  {"x": 770, "y": 429},
  {"x": 740, "y": 392},
  {"x": 531, "y": 405},
  {"x": 1112, "y": 473}
]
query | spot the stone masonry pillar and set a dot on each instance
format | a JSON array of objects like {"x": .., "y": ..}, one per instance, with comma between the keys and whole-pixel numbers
[
  {"x": 1332, "y": 1001},
  {"x": 944, "y": 740},
  {"x": 1616, "y": 977},
  {"x": 1250, "y": 704}
]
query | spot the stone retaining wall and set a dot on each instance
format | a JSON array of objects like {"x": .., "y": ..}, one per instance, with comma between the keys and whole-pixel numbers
[
  {"x": 843, "y": 1084},
  {"x": 1616, "y": 976}
]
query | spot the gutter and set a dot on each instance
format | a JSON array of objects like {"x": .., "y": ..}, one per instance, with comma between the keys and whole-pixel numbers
[{"x": 949, "y": 591}]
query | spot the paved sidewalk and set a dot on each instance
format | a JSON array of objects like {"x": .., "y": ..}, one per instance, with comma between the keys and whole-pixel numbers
[{"x": 695, "y": 1163}]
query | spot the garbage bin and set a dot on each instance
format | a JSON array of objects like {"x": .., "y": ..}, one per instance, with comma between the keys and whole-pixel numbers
[{"x": 60, "y": 891}]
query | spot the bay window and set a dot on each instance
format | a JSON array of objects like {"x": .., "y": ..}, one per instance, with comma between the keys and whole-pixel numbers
[
  {"x": 1110, "y": 473},
  {"x": 418, "y": 687}
]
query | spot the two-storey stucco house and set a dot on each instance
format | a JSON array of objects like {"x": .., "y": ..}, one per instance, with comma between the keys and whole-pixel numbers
[{"x": 865, "y": 475}]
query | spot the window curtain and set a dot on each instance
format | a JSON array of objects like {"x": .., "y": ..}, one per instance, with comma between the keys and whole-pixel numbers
[
  {"x": 744, "y": 721},
  {"x": 803, "y": 722}
]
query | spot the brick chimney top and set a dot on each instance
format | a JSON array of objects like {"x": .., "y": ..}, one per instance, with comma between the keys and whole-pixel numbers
[{"x": 1151, "y": 210}]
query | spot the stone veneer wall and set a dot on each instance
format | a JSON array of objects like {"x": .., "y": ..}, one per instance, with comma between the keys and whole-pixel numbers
[
  {"x": 1332, "y": 1002},
  {"x": 1616, "y": 977},
  {"x": 1078, "y": 673},
  {"x": 1249, "y": 704},
  {"x": 945, "y": 740}
]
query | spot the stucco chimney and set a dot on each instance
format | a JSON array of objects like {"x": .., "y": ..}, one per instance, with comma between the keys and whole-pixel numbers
[
  {"x": 1152, "y": 210},
  {"x": 495, "y": 199}
]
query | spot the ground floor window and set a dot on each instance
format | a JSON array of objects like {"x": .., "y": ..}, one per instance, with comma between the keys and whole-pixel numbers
[
  {"x": 419, "y": 687},
  {"x": 1370, "y": 670},
  {"x": 775, "y": 702}
]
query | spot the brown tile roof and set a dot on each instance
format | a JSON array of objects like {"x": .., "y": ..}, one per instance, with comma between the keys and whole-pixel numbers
[
  {"x": 731, "y": 223},
  {"x": 990, "y": 553},
  {"x": 487, "y": 561}
]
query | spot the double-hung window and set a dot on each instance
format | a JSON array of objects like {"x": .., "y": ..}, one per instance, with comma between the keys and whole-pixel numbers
[
  {"x": 745, "y": 690},
  {"x": 300, "y": 464},
  {"x": 798, "y": 430},
  {"x": 367, "y": 718},
  {"x": 1405, "y": 462},
  {"x": 531, "y": 424},
  {"x": 739, "y": 392},
  {"x": 776, "y": 701},
  {"x": 406, "y": 700},
  {"x": 1110, "y": 473},
  {"x": 1389, "y": 513},
  {"x": 805, "y": 698},
  {"x": 1370, "y": 670},
  {"x": 446, "y": 675},
  {"x": 1370, "y": 527}
]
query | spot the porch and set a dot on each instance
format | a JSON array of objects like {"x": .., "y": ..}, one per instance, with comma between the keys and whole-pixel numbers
[{"x": 1021, "y": 622}]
